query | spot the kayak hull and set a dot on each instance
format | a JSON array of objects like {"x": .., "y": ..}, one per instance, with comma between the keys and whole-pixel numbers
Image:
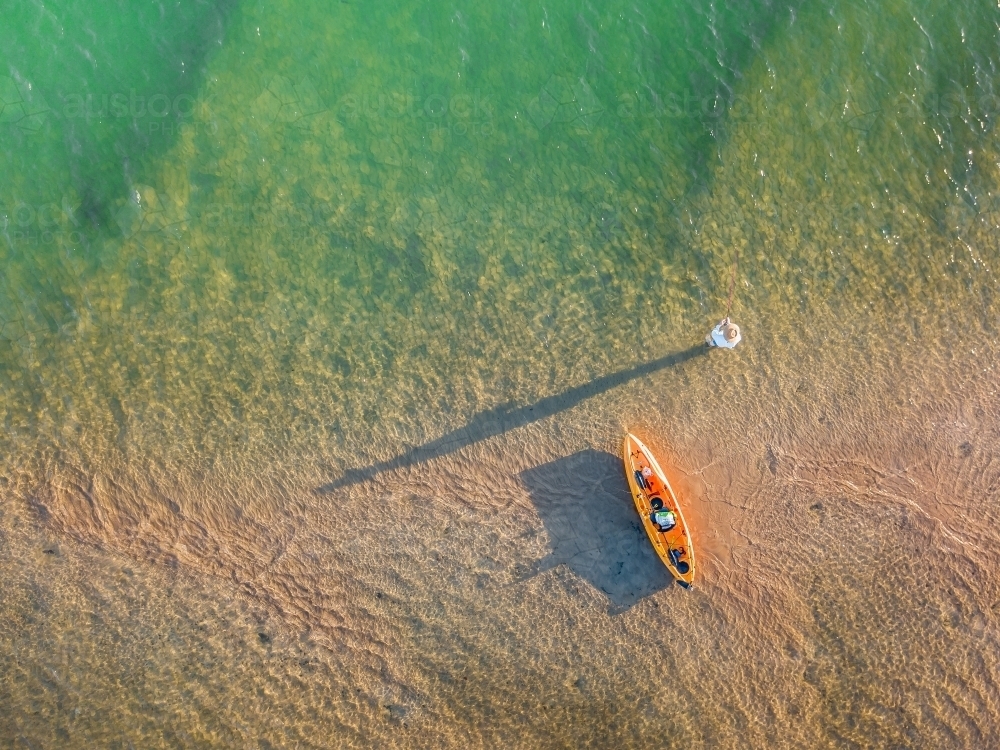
[{"x": 674, "y": 546}]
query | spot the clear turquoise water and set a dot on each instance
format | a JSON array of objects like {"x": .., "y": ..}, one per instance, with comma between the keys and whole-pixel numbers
[{"x": 249, "y": 249}]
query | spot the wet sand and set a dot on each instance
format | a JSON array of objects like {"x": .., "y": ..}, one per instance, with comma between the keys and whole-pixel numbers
[
  {"x": 339, "y": 521},
  {"x": 846, "y": 597}
]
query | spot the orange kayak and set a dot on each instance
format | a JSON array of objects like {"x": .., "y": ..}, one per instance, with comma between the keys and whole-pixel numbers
[{"x": 659, "y": 510}]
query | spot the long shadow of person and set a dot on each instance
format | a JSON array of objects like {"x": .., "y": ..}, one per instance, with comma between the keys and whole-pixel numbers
[
  {"x": 586, "y": 507},
  {"x": 496, "y": 421}
]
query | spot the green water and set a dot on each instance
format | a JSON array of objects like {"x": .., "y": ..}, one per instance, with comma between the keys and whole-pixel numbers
[
  {"x": 320, "y": 171},
  {"x": 250, "y": 247}
]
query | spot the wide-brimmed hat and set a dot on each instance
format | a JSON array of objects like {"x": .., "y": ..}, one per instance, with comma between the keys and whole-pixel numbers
[{"x": 730, "y": 331}]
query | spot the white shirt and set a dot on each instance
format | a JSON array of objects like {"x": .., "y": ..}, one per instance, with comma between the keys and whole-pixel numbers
[{"x": 719, "y": 338}]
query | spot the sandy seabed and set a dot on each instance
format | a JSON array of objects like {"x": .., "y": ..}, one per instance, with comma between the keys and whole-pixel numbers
[
  {"x": 182, "y": 562},
  {"x": 502, "y": 593}
]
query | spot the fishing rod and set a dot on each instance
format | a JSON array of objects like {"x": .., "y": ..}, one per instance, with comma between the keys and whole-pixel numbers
[{"x": 732, "y": 283}]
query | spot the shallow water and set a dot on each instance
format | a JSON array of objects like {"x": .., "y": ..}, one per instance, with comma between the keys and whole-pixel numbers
[{"x": 319, "y": 342}]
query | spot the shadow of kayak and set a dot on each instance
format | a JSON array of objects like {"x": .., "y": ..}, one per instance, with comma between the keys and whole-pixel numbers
[{"x": 586, "y": 506}]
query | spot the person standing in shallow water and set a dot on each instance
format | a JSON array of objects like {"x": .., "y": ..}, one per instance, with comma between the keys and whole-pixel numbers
[{"x": 725, "y": 335}]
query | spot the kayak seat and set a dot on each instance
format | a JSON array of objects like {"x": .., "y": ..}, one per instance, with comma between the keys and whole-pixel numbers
[{"x": 641, "y": 480}]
